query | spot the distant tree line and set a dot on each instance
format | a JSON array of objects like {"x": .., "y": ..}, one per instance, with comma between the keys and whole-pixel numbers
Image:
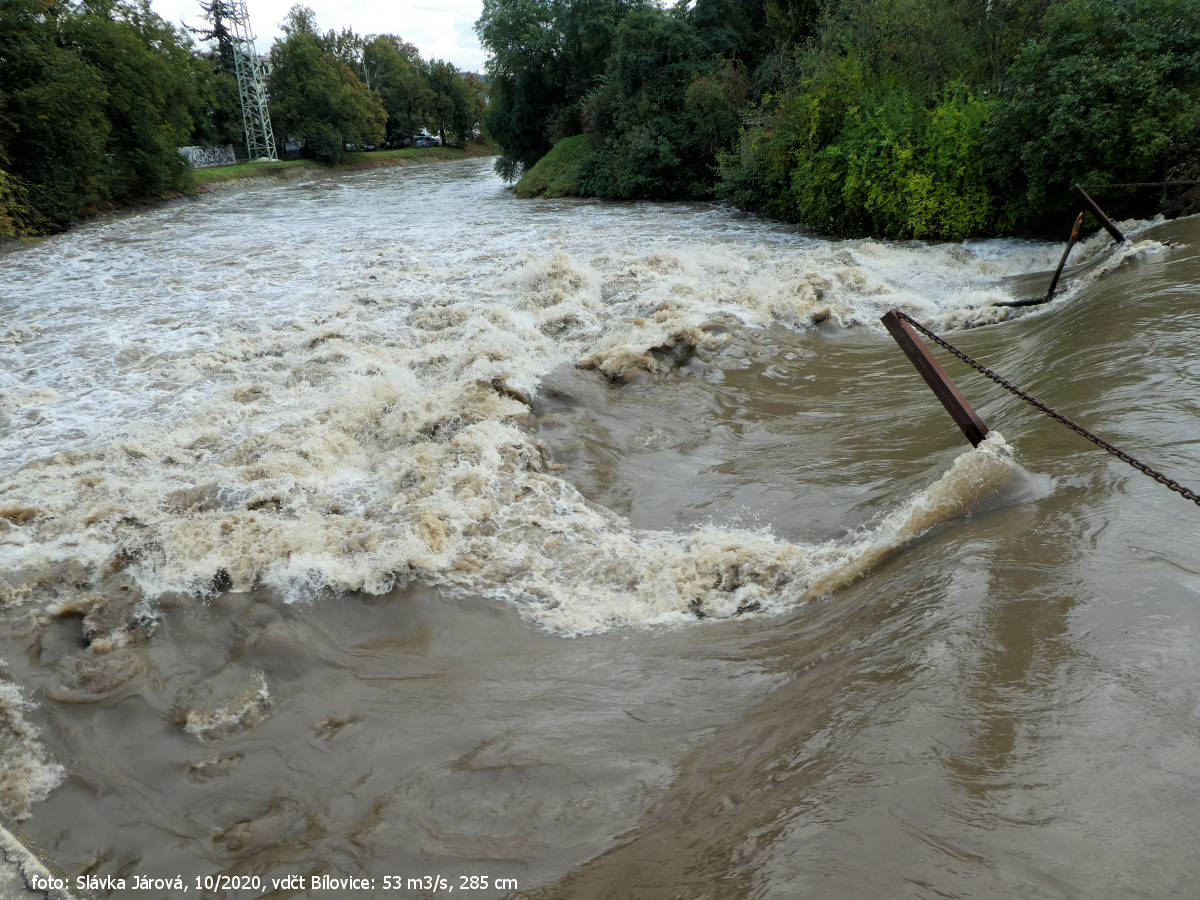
[
  {"x": 97, "y": 97},
  {"x": 900, "y": 118},
  {"x": 337, "y": 88}
]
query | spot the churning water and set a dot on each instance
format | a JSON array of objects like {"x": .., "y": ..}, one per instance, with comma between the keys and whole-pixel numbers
[{"x": 387, "y": 524}]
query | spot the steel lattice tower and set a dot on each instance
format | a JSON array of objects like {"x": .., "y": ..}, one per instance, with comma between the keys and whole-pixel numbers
[{"x": 256, "y": 120}]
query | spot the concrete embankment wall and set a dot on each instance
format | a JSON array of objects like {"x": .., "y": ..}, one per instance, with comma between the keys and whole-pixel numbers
[{"x": 21, "y": 869}]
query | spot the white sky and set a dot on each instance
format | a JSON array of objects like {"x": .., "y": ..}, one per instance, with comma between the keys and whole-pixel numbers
[{"x": 441, "y": 29}]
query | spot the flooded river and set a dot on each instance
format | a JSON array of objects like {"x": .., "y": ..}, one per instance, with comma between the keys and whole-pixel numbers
[{"x": 388, "y": 526}]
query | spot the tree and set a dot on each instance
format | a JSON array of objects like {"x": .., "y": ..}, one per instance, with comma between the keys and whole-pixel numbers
[
  {"x": 546, "y": 56},
  {"x": 219, "y": 112},
  {"x": 300, "y": 21},
  {"x": 318, "y": 98},
  {"x": 147, "y": 69},
  {"x": 96, "y": 101},
  {"x": 346, "y": 46},
  {"x": 218, "y": 13},
  {"x": 393, "y": 69},
  {"x": 218, "y": 117},
  {"x": 52, "y": 128},
  {"x": 1100, "y": 98},
  {"x": 668, "y": 101},
  {"x": 454, "y": 107}
]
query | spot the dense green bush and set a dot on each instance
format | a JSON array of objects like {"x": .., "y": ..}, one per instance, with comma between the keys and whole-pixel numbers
[
  {"x": 872, "y": 126},
  {"x": 914, "y": 171},
  {"x": 903, "y": 118},
  {"x": 545, "y": 58},
  {"x": 15, "y": 214},
  {"x": 1101, "y": 98},
  {"x": 761, "y": 173},
  {"x": 149, "y": 81},
  {"x": 658, "y": 89},
  {"x": 637, "y": 114},
  {"x": 668, "y": 101},
  {"x": 95, "y": 100},
  {"x": 851, "y": 158}
]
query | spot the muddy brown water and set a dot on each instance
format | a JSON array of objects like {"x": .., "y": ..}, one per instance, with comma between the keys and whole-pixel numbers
[{"x": 296, "y": 583}]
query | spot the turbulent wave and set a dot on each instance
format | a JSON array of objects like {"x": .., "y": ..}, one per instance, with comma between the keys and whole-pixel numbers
[
  {"x": 28, "y": 774},
  {"x": 586, "y": 579},
  {"x": 370, "y": 424},
  {"x": 335, "y": 457}
]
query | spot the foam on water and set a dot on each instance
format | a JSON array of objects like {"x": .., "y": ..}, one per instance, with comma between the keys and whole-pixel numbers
[
  {"x": 589, "y": 579},
  {"x": 28, "y": 774},
  {"x": 245, "y": 710},
  {"x": 191, "y": 414},
  {"x": 364, "y": 461},
  {"x": 321, "y": 392},
  {"x": 1103, "y": 263}
]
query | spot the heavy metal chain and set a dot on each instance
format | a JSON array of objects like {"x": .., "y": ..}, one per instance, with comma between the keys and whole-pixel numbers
[{"x": 1054, "y": 414}]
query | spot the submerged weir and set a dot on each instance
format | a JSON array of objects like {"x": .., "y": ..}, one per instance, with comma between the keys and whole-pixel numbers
[{"x": 296, "y": 530}]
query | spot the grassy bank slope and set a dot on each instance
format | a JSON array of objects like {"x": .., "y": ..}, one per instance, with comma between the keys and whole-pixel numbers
[
  {"x": 354, "y": 161},
  {"x": 557, "y": 173}
]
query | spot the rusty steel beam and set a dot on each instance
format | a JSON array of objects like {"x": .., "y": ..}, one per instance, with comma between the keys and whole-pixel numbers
[
  {"x": 1038, "y": 301},
  {"x": 935, "y": 376},
  {"x": 1099, "y": 214},
  {"x": 1067, "y": 252}
]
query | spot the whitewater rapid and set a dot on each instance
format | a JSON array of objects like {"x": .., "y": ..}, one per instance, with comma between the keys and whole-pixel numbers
[
  {"x": 267, "y": 390},
  {"x": 190, "y": 415}
]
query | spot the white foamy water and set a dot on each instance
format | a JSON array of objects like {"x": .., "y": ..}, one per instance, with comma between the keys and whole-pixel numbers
[
  {"x": 324, "y": 387},
  {"x": 28, "y": 774}
]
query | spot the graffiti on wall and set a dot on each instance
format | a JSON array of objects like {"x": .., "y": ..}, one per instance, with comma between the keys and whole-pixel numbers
[{"x": 207, "y": 157}]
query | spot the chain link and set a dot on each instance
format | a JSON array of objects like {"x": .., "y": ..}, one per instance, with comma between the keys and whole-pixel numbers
[{"x": 1054, "y": 414}]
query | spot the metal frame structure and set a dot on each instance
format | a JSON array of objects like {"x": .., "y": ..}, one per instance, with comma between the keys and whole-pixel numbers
[{"x": 252, "y": 89}]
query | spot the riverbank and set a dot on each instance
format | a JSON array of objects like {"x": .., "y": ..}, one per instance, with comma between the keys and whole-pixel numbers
[
  {"x": 557, "y": 174},
  {"x": 23, "y": 874},
  {"x": 206, "y": 179}
]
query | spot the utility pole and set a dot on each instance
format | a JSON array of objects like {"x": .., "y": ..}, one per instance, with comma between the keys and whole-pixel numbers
[{"x": 252, "y": 89}]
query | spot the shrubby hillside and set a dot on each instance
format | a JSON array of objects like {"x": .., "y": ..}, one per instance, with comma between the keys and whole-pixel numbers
[{"x": 901, "y": 118}]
